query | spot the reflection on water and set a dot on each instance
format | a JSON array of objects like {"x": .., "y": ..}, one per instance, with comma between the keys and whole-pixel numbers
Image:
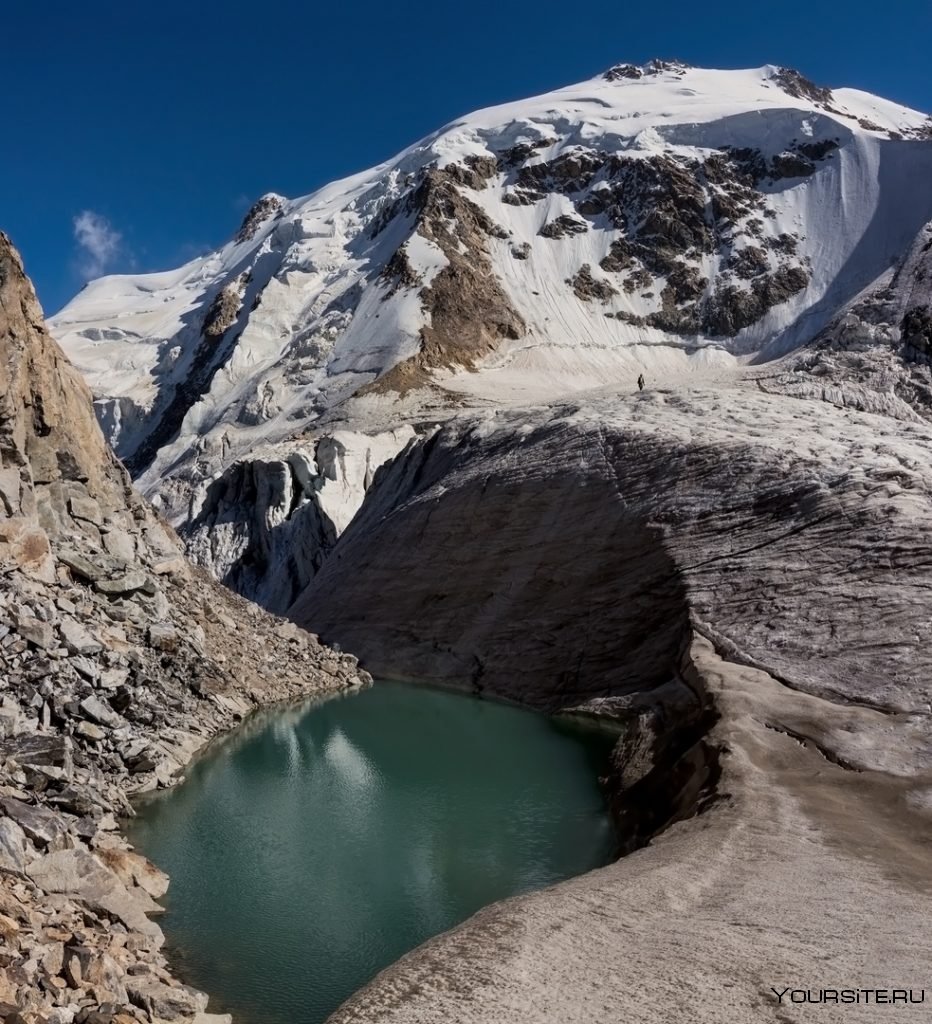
[{"x": 320, "y": 843}]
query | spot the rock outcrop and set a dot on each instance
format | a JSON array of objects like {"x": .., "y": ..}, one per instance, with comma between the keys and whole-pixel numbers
[
  {"x": 118, "y": 660},
  {"x": 265, "y": 526}
]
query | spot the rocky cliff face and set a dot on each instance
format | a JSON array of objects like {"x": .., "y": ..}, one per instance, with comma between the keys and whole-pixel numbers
[
  {"x": 118, "y": 660},
  {"x": 265, "y": 526}
]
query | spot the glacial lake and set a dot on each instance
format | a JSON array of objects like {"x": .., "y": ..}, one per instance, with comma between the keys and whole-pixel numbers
[{"x": 319, "y": 844}]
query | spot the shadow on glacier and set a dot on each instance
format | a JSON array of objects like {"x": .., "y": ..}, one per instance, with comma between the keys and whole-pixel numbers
[{"x": 526, "y": 583}]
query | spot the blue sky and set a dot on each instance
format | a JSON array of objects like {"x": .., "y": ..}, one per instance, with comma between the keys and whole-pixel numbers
[{"x": 136, "y": 134}]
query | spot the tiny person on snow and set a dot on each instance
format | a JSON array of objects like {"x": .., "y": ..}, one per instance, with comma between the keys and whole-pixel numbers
[{"x": 640, "y": 382}]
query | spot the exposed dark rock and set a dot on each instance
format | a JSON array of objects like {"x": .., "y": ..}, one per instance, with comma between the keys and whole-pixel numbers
[
  {"x": 521, "y": 152},
  {"x": 685, "y": 283},
  {"x": 619, "y": 258},
  {"x": 749, "y": 262},
  {"x": 469, "y": 311},
  {"x": 587, "y": 287},
  {"x": 785, "y": 243},
  {"x": 223, "y": 311},
  {"x": 916, "y": 328},
  {"x": 790, "y": 165},
  {"x": 659, "y": 65},
  {"x": 629, "y": 318},
  {"x": 475, "y": 171},
  {"x": 816, "y": 150},
  {"x": 619, "y": 72},
  {"x": 267, "y": 206},
  {"x": 637, "y": 279},
  {"x": 572, "y": 171},
  {"x": 923, "y": 133},
  {"x": 731, "y": 309},
  {"x": 562, "y": 226},
  {"x": 796, "y": 84},
  {"x": 399, "y": 273}
]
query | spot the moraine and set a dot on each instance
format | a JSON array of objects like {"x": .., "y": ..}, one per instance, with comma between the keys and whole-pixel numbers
[{"x": 321, "y": 843}]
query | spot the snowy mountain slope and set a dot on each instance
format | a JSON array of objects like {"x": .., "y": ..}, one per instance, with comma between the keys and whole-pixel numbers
[
  {"x": 876, "y": 354},
  {"x": 658, "y": 217}
]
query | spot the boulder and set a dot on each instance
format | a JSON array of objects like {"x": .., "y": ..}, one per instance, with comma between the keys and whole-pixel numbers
[
  {"x": 105, "y": 977},
  {"x": 26, "y": 545},
  {"x": 76, "y": 872},
  {"x": 170, "y": 567},
  {"x": 163, "y": 636},
  {"x": 39, "y": 634},
  {"x": 90, "y": 731},
  {"x": 95, "y": 709},
  {"x": 112, "y": 678},
  {"x": 38, "y": 749},
  {"x": 135, "y": 870},
  {"x": 80, "y": 874},
  {"x": 120, "y": 544},
  {"x": 126, "y": 584},
  {"x": 81, "y": 567},
  {"x": 40, "y": 824},
  {"x": 159, "y": 541},
  {"x": 77, "y": 639},
  {"x": 163, "y": 1001},
  {"x": 10, "y": 490},
  {"x": 14, "y": 849},
  {"x": 53, "y": 958},
  {"x": 85, "y": 508}
]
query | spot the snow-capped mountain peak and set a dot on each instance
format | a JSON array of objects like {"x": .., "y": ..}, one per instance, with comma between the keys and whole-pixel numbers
[{"x": 654, "y": 215}]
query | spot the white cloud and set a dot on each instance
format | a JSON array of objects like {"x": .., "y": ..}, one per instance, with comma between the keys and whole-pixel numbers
[{"x": 99, "y": 242}]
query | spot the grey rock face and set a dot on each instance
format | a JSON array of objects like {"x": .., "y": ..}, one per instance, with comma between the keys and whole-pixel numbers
[
  {"x": 265, "y": 526},
  {"x": 85, "y": 508},
  {"x": 98, "y": 711},
  {"x": 38, "y": 633},
  {"x": 13, "y": 846},
  {"x": 77, "y": 638},
  {"x": 165, "y": 1002},
  {"x": 41, "y": 825},
  {"x": 125, "y": 584},
  {"x": 163, "y": 636}
]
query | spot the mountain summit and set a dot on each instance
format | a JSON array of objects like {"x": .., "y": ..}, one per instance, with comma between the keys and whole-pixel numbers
[{"x": 659, "y": 217}]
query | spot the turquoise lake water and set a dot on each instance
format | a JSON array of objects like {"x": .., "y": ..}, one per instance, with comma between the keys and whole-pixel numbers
[{"x": 319, "y": 844}]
